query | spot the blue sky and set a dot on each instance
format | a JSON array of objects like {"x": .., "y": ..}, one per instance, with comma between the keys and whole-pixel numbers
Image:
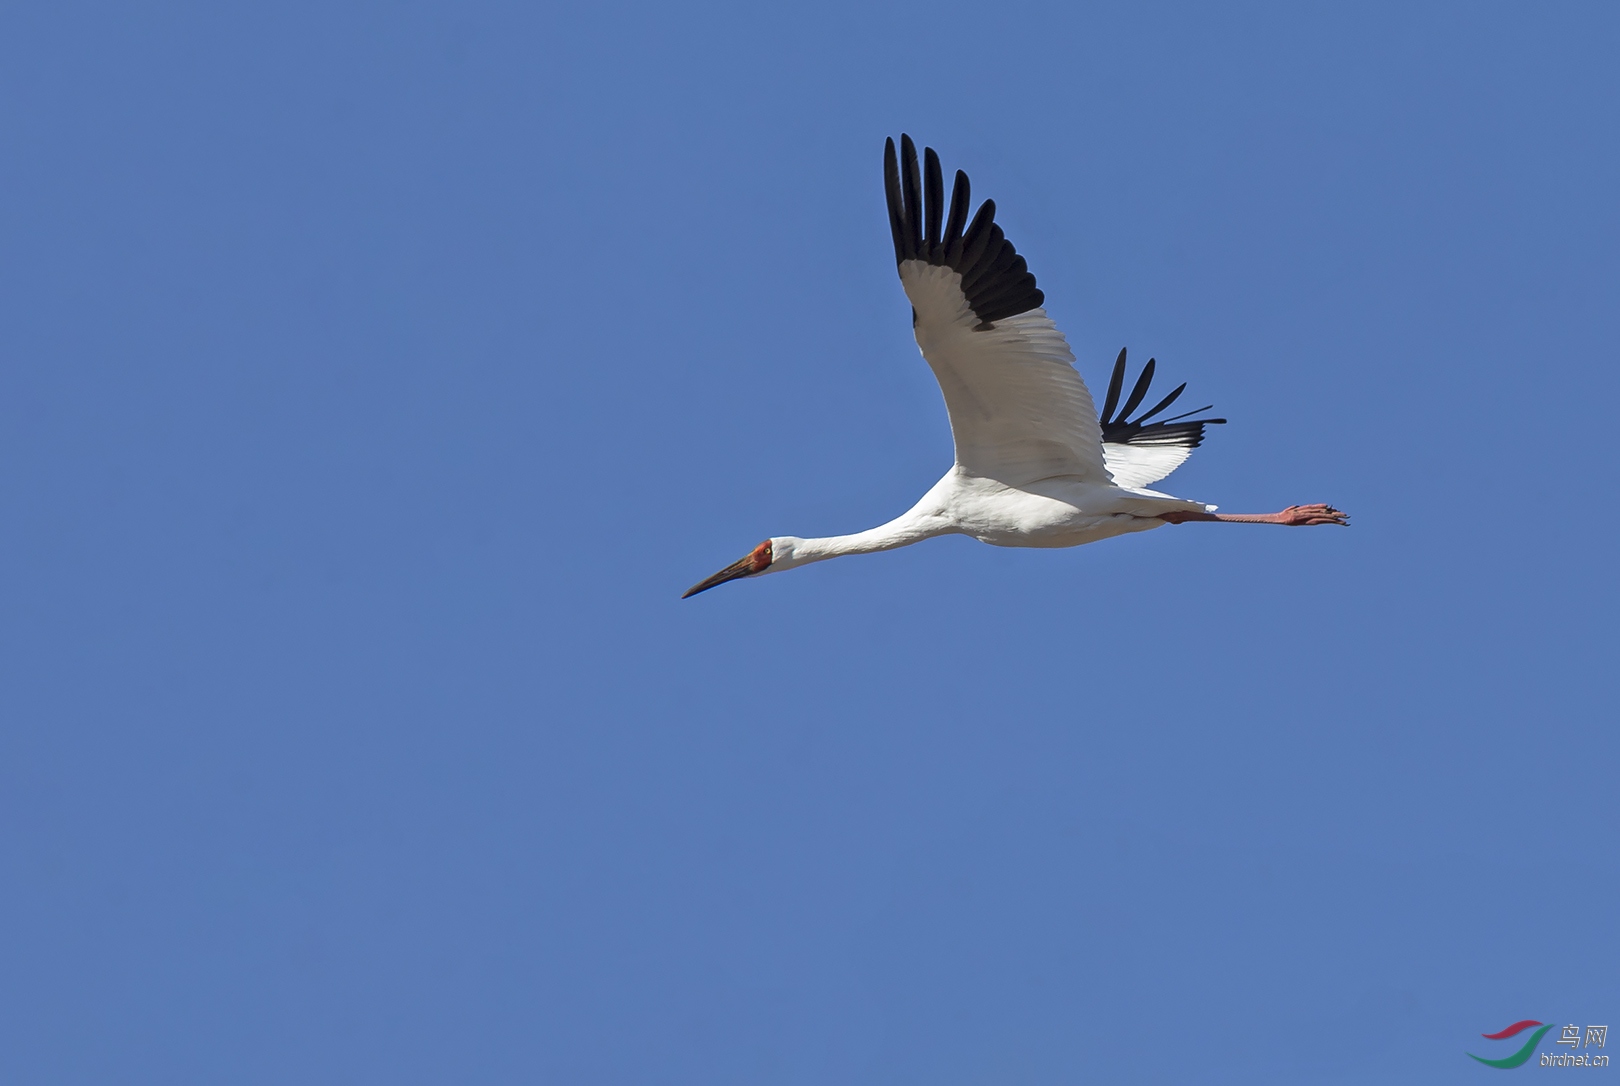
[{"x": 376, "y": 378}]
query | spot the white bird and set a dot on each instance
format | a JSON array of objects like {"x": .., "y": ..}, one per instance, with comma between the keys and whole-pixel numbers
[{"x": 1035, "y": 467}]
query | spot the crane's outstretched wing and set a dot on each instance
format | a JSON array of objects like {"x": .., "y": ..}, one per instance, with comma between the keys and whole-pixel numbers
[
  {"x": 1140, "y": 452},
  {"x": 1019, "y": 411}
]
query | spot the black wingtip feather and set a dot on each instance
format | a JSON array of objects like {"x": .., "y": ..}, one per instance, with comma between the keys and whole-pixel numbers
[
  {"x": 953, "y": 226},
  {"x": 891, "y": 195},
  {"x": 1115, "y": 383},
  {"x": 1184, "y": 414},
  {"x": 978, "y": 230},
  {"x": 933, "y": 199},
  {"x": 1164, "y": 403},
  {"x": 990, "y": 271},
  {"x": 995, "y": 278},
  {"x": 1140, "y": 391},
  {"x": 989, "y": 237},
  {"x": 1127, "y": 431},
  {"x": 1016, "y": 284},
  {"x": 911, "y": 186}
]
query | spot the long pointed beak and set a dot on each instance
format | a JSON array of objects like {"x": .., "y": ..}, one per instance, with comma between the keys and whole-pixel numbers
[{"x": 740, "y": 568}]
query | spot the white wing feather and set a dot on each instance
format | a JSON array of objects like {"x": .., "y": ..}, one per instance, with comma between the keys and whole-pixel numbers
[
  {"x": 1138, "y": 465},
  {"x": 1019, "y": 410}
]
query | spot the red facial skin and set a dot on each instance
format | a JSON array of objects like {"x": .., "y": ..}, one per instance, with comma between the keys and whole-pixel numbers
[{"x": 761, "y": 557}]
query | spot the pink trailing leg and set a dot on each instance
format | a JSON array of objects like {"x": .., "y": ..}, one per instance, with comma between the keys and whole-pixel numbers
[{"x": 1294, "y": 516}]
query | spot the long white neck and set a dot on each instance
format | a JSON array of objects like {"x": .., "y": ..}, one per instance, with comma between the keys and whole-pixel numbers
[{"x": 908, "y": 528}]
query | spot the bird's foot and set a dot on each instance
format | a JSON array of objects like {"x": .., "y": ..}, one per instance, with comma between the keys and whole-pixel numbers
[{"x": 1297, "y": 516}]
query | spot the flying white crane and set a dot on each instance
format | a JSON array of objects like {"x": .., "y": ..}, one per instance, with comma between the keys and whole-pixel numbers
[{"x": 1034, "y": 465}]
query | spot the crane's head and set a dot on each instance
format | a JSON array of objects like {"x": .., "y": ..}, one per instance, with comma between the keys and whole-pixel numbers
[{"x": 775, "y": 554}]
